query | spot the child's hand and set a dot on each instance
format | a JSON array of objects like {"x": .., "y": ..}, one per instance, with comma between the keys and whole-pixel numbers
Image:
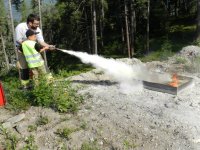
[{"x": 44, "y": 48}]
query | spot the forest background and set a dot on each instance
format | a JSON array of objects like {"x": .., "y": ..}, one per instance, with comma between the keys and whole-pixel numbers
[{"x": 145, "y": 29}]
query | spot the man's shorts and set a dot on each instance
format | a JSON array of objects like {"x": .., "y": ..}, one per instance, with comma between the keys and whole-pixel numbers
[{"x": 22, "y": 61}]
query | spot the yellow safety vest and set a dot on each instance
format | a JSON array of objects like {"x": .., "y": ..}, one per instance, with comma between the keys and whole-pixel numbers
[{"x": 33, "y": 58}]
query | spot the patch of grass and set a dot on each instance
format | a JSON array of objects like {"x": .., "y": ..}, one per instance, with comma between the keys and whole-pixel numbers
[
  {"x": 72, "y": 70},
  {"x": 129, "y": 145},
  {"x": 30, "y": 143},
  {"x": 17, "y": 100},
  {"x": 160, "y": 55},
  {"x": 157, "y": 56},
  {"x": 65, "y": 133},
  {"x": 180, "y": 60},
  {"x": 42, "y": 120},
  {"x": 89, "y": 146},
  {"x": 32, "y": 128},
  {"x": 11, "y": 140},
  {"x": 83, "y": 125}
]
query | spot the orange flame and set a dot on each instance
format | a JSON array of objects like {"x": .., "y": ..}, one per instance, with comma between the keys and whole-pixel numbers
[{"x": 174, "y": 81}]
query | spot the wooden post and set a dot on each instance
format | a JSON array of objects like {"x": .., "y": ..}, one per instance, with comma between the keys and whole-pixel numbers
[{"x": 40, "y": 14}]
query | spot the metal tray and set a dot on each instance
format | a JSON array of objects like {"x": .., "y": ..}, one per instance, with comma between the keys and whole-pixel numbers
[{"x": 184, "y": 82}]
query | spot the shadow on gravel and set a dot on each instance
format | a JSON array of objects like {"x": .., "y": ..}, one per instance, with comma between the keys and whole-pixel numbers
[{"x": 101, "y": 82}]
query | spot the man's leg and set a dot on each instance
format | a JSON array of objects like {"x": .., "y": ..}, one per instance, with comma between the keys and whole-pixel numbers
[{"x": 23, "y": 70}]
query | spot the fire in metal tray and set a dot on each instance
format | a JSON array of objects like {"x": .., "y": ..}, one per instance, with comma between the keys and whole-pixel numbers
[{"x": 178, "y": 84}]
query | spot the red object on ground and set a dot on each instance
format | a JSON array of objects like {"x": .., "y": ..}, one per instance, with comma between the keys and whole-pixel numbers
[{"x": 2, "y": 96}]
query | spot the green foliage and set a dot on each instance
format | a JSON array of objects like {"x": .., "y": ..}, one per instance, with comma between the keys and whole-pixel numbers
[
  {"x": 59, "y": 95},
  {"x": 129, "y": 145},
  {"x": 166, "y": 50},
  {"x": 180, "y": 60},
  {"x": 24, "y": 11},
  {"x": 42, "y": 120},
  {"x": 68, "y": 101},
  {"x": 30, "y": 143},
  {"x": 113, "y": 48},
  {"x": 162, "y": 54},
  {"x": 89, "y": 146},
  {"x": 83, "y": 125},
  {"x": 2, "y": 17},
  {"x": 64, "y": 133},
  {"x": 32, "y": 128},
  {"x": 17, "y": 100},
  {"x": 43, "y": 94},
  {"x": 11, "y": 140},
  {"x": 72, "y": 69}
]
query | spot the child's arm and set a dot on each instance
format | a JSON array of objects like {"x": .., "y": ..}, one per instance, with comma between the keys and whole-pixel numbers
[{"x": 44, "y": 48}]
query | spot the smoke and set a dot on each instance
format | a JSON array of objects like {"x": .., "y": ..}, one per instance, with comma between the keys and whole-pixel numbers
[{"x": 129, "y": 76}]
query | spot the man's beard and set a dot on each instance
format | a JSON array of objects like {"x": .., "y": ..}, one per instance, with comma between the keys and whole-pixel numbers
[{"x": 34, "y": 28}]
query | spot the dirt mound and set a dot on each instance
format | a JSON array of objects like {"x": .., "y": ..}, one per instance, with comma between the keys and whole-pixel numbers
[{"x": 190, "y": 51}]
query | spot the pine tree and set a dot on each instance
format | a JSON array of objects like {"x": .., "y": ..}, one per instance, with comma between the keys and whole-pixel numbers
[{"x": 3, "y": 25}]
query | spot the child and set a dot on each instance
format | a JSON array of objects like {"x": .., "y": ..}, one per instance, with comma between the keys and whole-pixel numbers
[{"x": 31, "y": 51}]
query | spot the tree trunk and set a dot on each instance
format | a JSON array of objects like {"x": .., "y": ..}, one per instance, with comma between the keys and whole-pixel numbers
[
  {"x": 87, "y": 33},
  {"x": 148, "y": 12},
  {"x": 102, "y": 23},
  {"x": 94, "y": 26},
  {"x": 12, "y": 27},
  {"x": 126, "y": 27},
  {"x": 176, "y": 8},
  {"x": 133, "y": 24},
  {"x": 40, "y": 14},
  {"x": 198, "y": 20},
  {"x": 4, "y": 51}
]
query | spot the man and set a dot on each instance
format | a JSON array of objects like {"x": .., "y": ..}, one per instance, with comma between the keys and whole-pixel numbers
[{"x": 33, "y": 22}]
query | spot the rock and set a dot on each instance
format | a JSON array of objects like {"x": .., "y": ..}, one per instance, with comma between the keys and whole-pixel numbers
[
  {"x": 190, "y": 50},
  {"x": 7, "y": 125},
  {"x": 12, "y": 121},
  {"x": 21, "y": 128}
]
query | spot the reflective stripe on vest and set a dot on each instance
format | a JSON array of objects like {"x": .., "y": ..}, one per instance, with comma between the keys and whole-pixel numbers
[{"x": 33, "y": 57}]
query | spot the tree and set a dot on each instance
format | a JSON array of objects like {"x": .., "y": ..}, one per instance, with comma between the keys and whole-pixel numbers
[
  {"x": 4, "y": 52},
  {"x": 198, "y": 20},
  {"x": 12, "y": 27},
  {"x": 3, "y": 32},
  {"x": 127, "y": 28},
  {"x": 24, "y": 11},
  {"x": 148, "y": 12},
  {"x": 133, "y": 27},
  {"x": 94, "y": 24}
]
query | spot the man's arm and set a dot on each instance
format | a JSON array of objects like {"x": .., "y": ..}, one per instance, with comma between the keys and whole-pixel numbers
[
  {"x": 44, "y": 44},
  {"x": 19, "y": 35},
  {"x": 41, "y": 41}
]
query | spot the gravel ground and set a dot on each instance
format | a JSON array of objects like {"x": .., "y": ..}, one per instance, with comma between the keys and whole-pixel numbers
[{"x": 112, "y": 119}]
